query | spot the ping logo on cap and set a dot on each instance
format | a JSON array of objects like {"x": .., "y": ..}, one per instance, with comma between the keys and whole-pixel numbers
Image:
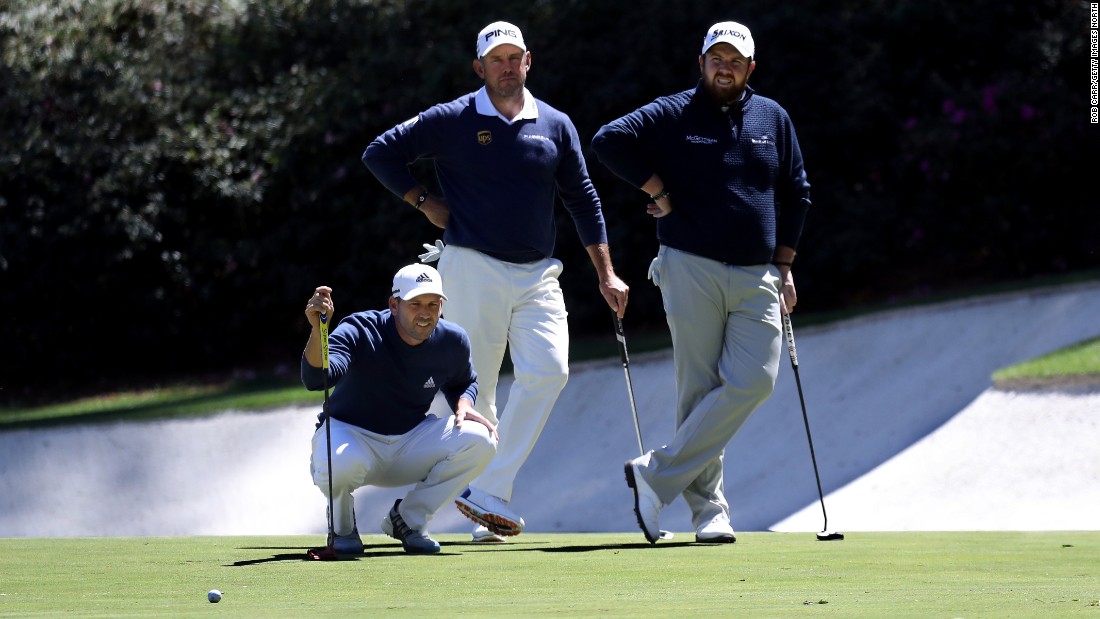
[{"x": 501, "y": 32}]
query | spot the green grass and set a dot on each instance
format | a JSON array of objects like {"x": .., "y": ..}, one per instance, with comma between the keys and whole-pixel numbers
[
  {"x": 1076, "y": 364},
  {"x": 1042, "y": 574},
  {"x": 171, "y": 401}
]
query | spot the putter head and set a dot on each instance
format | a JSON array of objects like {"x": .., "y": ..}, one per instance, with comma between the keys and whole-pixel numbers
[
  {"x": 829, "y": 536},
  {"x": 328, "y": 553}
]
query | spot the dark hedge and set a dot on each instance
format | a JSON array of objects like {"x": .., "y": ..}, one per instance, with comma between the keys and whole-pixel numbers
[{"x": 178, "y": 175}]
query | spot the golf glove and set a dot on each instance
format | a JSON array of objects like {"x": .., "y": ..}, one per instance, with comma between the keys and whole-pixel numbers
[{"x": 433, "y": 253}]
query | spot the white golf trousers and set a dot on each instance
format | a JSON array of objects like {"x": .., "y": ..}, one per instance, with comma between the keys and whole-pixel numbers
[
  {"x": 436, "y": 456},
  {"x": 521, "y": 308}
]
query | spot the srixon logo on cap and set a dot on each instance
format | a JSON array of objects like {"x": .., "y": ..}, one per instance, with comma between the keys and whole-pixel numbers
[
  {"x": 719, "y": 33},
  {"x": 489, "y": 36}
]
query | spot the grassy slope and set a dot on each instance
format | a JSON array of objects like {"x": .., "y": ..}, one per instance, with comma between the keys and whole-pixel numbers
[
  {"x": 1074, "y": 365},
  {"x": 1042, "y": 574}
]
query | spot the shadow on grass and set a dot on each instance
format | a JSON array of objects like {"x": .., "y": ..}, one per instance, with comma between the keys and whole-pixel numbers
[
  {"x": 372, "y": 551},
  {"x": 295, "y": 557},
  {"x": 533, "y": 546}
]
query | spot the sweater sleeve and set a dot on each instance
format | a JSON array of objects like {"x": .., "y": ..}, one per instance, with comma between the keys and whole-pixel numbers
[
  {"x": 619, "y": 145},
  {"x": 463, "y": 382},
  {"x": 389, "y": 155},
  {"x": 341, "y": 342},
  {"x": 577, "y": 192},
  {"x": 792, "y": 191}
]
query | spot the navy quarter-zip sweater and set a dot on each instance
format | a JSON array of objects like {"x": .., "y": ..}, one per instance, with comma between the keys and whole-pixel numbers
[
  {"x": 735, "y": 176},
  {"x": 500, "y": 179},
  {"x": 384, "y": 385}
]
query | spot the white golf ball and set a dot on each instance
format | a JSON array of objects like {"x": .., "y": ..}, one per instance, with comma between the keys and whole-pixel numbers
[{"x": 214, "y": 596}]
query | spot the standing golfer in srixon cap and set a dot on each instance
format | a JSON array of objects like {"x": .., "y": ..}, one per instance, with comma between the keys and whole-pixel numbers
[
  {"x": 386, "y": 367},
  {"x": 503, "y": 158},
  {"x": 724, "y": 175}
]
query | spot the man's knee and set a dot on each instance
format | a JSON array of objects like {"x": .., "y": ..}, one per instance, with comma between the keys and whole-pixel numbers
[
  {"x": 345, "y": 470},
  {"x": 478, "y": 441},
  {"x": 756, "y": 385}
]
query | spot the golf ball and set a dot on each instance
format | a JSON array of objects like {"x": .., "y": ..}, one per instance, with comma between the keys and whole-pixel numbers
[{"x": 214, "y": 596}]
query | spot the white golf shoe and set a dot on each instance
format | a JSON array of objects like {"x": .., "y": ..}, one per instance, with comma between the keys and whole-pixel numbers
[
  {"x": 717, "y": 531},
  {"x": 483, "y": 535},
  {"x": 490, "y": 512},
  {"x": 647, "y": 505}
]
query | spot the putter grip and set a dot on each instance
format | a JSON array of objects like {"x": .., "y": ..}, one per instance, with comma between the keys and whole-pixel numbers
[
  {"x": 621, "y": 336},
  {"x": 324, "y": 342},
  {"x": 789, "y": 331}
]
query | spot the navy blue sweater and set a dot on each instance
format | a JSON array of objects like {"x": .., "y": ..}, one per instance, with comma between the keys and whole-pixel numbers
[
  {"x": 384, "y": 385},
  {"x": 735, "y": 177},
  {"x": 499, "y": 179}
]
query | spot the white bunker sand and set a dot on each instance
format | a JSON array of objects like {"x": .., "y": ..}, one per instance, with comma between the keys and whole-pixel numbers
[{"x": 907, "y": 432}]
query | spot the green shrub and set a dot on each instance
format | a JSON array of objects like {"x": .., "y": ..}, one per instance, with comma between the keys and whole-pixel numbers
[{"x": 177, "y": 175}]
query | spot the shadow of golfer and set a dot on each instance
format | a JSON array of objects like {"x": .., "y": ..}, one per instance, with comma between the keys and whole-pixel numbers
[{"x": 370, "y": 551}]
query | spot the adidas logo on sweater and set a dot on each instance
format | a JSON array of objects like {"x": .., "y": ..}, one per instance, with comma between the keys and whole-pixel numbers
[{"x": 430, "y": 384}]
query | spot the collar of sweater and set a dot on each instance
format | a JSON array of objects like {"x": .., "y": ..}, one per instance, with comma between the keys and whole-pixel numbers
[{"x": 737, "y": 107}]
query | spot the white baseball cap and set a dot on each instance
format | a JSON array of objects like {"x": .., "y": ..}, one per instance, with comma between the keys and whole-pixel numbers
[
  {"x": 733, "y": 33},
  {"x": 498, "y": 33},
  {"x": 415, "y": 280}
]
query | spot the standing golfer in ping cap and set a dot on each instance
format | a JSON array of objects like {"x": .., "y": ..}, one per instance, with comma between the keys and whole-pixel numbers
[
  {"x": 503, "y": 158},
  {"x": 724, "y": 175},
  {"x": 386, "y": 367}
]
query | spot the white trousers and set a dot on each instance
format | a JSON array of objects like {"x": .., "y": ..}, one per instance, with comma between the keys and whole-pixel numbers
[
  {"x": 726, "y": 338},
  {"x": 521, "y": 308},
  {"x": 439, "y": 458}
]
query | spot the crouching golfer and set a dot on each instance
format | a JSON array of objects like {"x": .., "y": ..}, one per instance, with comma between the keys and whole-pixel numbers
[{"x": 385, "y": 368}]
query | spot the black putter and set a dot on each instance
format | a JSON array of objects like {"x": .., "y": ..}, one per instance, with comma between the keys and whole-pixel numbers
[
  {"x": 621, "y": 336},
  {"x": 825, "y": 535}
]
